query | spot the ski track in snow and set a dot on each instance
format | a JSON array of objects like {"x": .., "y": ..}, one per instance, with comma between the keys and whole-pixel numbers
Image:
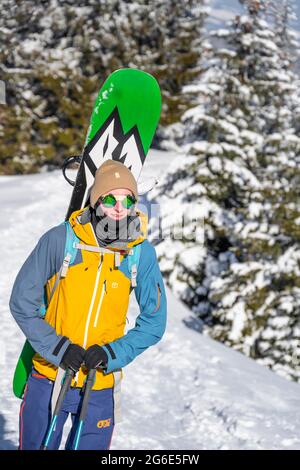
[{"x": 186, "y": 392}]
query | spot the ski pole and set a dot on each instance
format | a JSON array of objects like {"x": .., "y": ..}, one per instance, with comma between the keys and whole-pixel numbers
[
  {"x": 64, "y": 388},
  {"x": 85, "y": 401}
]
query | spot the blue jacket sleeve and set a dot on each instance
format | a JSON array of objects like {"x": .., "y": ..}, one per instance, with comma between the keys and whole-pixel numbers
[
  {"x": 28, "y": 292},
  {"x": 150, "y": 324}
]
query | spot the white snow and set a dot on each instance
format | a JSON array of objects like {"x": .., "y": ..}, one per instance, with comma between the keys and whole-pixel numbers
[{"x": 188, "y": 391}]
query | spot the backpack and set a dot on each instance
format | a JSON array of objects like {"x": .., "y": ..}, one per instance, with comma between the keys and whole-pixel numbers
[{"x": 72, "y": 245}]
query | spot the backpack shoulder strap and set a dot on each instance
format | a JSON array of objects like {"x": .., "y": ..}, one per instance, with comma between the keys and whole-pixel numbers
[
  {"x": 69, "y": 258},
  {"x": 70, "y": 249},
  {"x": 133, "y": 263}
]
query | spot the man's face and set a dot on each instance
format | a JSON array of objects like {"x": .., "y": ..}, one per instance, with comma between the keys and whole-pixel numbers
[{"x": 117, "y": 212}]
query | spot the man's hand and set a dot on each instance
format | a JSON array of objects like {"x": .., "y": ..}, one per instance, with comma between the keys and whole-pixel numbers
[
  {"x": 95, "y": 356},
  {"x": 73, "y": 357}
]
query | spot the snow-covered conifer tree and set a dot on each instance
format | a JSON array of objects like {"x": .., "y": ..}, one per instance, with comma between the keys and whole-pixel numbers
[
  {"x": 240, "y": 172},
  {"x": 56, "y": 54}
]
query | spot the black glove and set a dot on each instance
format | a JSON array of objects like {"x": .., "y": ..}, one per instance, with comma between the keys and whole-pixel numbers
[
  {"x": 73, "y": 357},
  {"x": 95, "y": 356}
]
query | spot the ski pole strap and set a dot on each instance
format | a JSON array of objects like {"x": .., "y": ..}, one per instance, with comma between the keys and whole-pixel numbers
[
  {"x": 56, "y": 388},
  {"x": 64, "y": 388},
  {"x": 117, "y": 395}
]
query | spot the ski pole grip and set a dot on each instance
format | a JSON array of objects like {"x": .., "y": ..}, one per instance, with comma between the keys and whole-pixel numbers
[
  {"x": 91, "y": 377},
  {"x": 70, "y": 374},
  {"x": 64, "y": 388},
  {"x": 87, "y": 389}
]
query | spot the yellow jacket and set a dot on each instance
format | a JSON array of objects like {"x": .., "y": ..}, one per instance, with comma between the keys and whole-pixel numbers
[{"x": 90, "y": 304}]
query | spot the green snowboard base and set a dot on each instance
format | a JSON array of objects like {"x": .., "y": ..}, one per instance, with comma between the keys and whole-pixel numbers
[{"x": 23, "y": 370}]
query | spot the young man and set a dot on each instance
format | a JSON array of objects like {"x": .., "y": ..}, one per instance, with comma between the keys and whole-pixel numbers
[{"x": 83, "y": 327}]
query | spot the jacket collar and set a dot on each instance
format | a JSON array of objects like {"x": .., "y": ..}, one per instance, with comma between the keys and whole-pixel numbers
[{"x": 85, "y": 231}]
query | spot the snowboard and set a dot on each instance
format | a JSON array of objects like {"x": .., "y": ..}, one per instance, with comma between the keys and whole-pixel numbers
[
  {"x": 123, "y": 123},
  {"x": 122, "y": 126}
]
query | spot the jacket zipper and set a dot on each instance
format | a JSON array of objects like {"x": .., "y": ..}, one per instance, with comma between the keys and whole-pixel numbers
[
  {"x": 92, "y": 303},
  {"x": 100, "y": 303}
]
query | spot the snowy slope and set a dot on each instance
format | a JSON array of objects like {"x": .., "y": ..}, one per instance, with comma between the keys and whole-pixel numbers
[{"x": 187, "y": 392}]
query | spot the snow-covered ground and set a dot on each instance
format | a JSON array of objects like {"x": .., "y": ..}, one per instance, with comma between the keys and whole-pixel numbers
[{"x": 187, "y": 392}]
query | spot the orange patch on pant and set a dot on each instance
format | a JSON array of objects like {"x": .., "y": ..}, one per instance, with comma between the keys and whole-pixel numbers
[{"x": 104, "y": 423}]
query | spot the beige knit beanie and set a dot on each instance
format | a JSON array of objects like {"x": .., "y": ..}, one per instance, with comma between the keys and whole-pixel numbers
[{"x": 112, "y": 175}]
